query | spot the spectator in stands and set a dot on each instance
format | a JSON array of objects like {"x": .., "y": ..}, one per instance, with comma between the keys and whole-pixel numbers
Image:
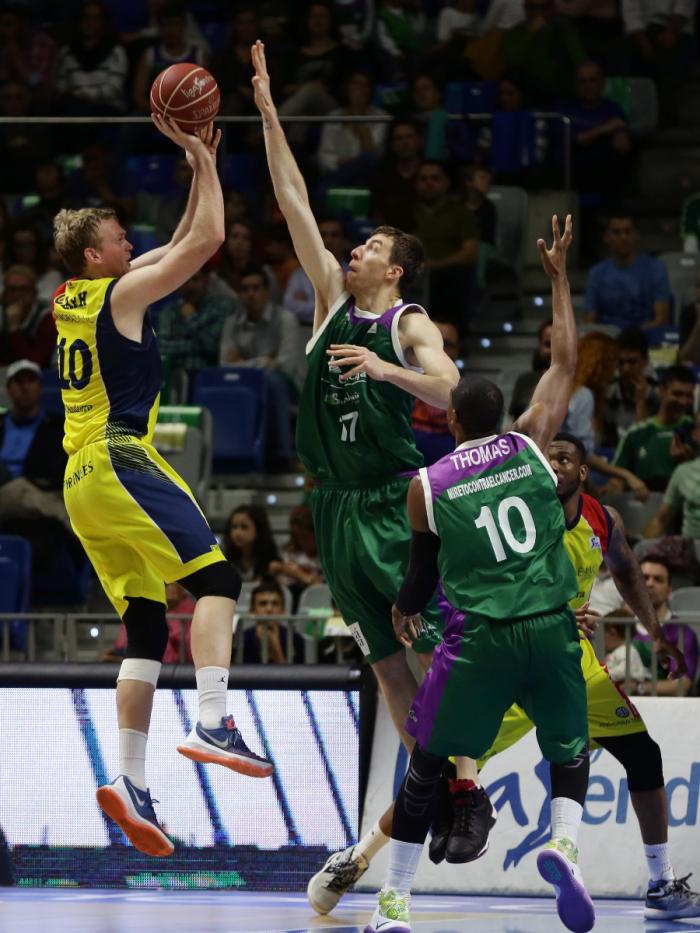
[
  {"x": 27, "y": 55},
  {"x": 400, "y": 27},
  {"x": 190, "y": 327},
  {"x": 457, "y": 20},
  {"x": 450, "y": 238},
  {"x": 264, "y": 335},
  {"x": 235, "y": 207},
  {"x": 279, "y": 251},
  {"x": 164, "y": 209},
  {"x": 50, "y": 191},
  {"x": 248, "y": 543},
  {"x": 526, "y": 382},
  {"x": 428, "y": 110},
  {"x": 432, "y": 436},
  {"x": 616, "y": 657},
  {"x": 179, "y": 603},
  {"x": 689, "y": 330},
  {"x": 299, "y": 566},
  {"x": 27, "y": 328},
  {"x": 236, "y": 255},
  {"x": 269, "y": 636},
  {"x": 651, "y": 449},
  {"x": 233, "y": 67},
  {"x": 657, "y": 576},
  {"x": 22, "y": 147},
  {"x": 633, "y": 395},
  {"x": 300, "y": 298},
  {"x": 629, "y": 289},
  {"x": 92, "y": 70},
  {"x": 544, "y": 50},
  {"x": 355, "y": 22},
  {"x": 348, "y": 152},
  {"x": 26, "y": 247},
  {"x": 171, "y": 47},
  {"x": 600, "y": 28},
  {"x": 660, "y": 43},
  {"x": 682, "y": 496},
  {"x": 32, "y": 459},
  {"x": 601, "y": 140},
  {"x": 595, "y": 365},
  {"x": 476, "y": 184},
  {"x": 392, "y": 187},
  {"x": 100, "y": 182}
]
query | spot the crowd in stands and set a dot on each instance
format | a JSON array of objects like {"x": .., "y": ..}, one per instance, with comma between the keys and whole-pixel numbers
[{"x": 406, "y": 66}]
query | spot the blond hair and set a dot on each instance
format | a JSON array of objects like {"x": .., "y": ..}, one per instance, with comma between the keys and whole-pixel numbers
[
  {"x": 75, "y": 231},
  {"x": 595, "y": 367}
]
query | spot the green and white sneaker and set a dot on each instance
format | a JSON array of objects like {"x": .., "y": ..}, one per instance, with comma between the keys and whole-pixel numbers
[
  {"x": 392, "y": 914},
  {"x": 558, "y": 865},
  {"x": 671, "y": 900}
]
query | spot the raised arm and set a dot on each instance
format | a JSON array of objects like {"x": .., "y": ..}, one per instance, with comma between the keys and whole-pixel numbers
[
  {"x": 422, "y": 345},
  {"x": 550, "y": 400},
  {"x": 321, "y": 266},
  {"x": 141, "y": 286},
  {"x": 628, "y": 579}
]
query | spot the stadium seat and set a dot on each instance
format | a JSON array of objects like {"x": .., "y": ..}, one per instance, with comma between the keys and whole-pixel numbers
[
  {"x": 153, "y": 173},
  {"x": 237, "y": 400},
  {"x": 682, "y": 272},
  {"x": 635, "y": 514},
  {"x": 9, "y": 585},
  {"x": 639, "y": 100},
  {"x": 686, "y": 599},
  {"x": 240, "y": 171},
  {"x": 470, "y": 97},
  {"x": 51, "y": 400},
  {"x": 16, "y": 575},
  {"x": 511, "y": 224}
]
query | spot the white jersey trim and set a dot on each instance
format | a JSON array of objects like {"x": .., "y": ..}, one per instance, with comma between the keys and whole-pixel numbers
[
  {"x": 332, "y": 311},
  {"x": 545, "y": 463},
  {"x": 428, "y": 496},
  {"x": 396, "y": 342}
]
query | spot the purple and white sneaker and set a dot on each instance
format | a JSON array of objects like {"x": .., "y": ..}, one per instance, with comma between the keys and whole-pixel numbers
[
  {"x": 224, "y": 746},
  {"x": 558, "y": 865}
]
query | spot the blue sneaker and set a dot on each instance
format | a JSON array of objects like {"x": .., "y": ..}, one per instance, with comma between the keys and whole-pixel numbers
[
  {"x": 224, "y": 746},
  {"x": 557, "y": 862},
  {"x": 132, "y": 809},
  {"x": 671, "y": 900}
]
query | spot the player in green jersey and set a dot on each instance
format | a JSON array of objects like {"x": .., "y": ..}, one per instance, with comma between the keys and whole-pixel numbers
[{"x": 486, "y": 520}]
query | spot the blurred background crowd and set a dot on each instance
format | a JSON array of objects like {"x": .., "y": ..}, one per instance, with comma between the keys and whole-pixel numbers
[{"x": 468, "y": 123}]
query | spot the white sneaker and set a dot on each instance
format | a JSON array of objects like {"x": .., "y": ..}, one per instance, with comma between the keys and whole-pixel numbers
[
  {"x": 224, "y": 746},
  {"x": 337, "y": 876},
  {"x": 558, "y": 864},
  {"x": 132, "y": 809},
  {"x": 392, "y": 914}
]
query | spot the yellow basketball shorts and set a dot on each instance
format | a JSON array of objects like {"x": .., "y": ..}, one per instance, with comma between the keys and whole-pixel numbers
[
  {"x": 137, "y": 520},
  {"x": 610, "y": 711}
]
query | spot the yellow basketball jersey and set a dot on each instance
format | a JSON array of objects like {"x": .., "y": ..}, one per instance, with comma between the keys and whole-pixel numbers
[
  {"x": 110, "y": 384},
  {"x": 586, "y": 543}
]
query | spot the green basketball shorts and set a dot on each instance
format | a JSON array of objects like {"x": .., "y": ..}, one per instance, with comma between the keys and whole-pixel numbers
[
  {"x": 364, "y": 540},
  {"x": 485, "y": 665}
]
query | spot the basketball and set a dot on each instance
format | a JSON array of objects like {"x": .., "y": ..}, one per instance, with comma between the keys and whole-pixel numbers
[{"x": 188, "y": 94}]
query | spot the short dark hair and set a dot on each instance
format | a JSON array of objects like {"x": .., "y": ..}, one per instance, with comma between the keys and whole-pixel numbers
[
  {"x": 406, "y": 251},
  {"x": 437, "y": 163},
  {"x": 567, "y": 438},
  {"x": 619, "y": 214},
  {"x": 254, "y": 269},
  {"x": 677, "y": 374},
  {"x": 543, "y": 327},
  {"x": 652, "y": 558},
  {"x": 406, "y": 121},
  {"x": 478, "y": 404},
  {"x": 632, "y": 338},
  {"x": 266, "y": 585}
]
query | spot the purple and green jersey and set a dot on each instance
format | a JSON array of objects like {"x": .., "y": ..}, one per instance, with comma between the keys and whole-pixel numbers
[
  {"x": 493, "y": 504},
  {"x": 358, "y": 432}
]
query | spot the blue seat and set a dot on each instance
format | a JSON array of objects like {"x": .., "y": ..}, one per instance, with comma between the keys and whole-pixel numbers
[
  {"x": 152, "y": 173},
  {"x": 240, "y": 171},
  {"x": 15, "y": 584},
  {"x": 470, "y": 97},
  {"x": 237, "y": 400},
  {"x": 9, "y": 585}
]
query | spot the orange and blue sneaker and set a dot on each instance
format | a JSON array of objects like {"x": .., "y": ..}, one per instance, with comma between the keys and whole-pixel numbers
[
  {"x": 132, "y": 809},
  {"x": 224, "y": 746}
]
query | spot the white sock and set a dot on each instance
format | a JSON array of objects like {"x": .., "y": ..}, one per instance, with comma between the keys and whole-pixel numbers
[
  {"x": 403, "y": 862},
  {"x": 659, "y": 862},
  {"x": 212, "y": 683},
  {"x": 371, "y": 842},
  {"x": 132, "y": 756},
  {"x": 566, "y": 817}
]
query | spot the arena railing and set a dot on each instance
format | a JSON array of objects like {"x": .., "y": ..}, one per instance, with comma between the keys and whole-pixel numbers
[{"x": 225, "y": 121}]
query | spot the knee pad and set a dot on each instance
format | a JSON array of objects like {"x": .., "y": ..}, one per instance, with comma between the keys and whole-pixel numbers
[
  {"x": 219, "y": 579},
  {"x": 146, "y": 629},
  {"x": 640, "y": 756}
]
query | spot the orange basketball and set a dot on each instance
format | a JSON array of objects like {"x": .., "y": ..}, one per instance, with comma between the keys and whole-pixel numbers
[{"x": 188, "y": 94}]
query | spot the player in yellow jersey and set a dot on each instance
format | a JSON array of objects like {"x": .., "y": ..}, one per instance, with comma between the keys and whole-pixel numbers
[{"x": 136, "y": 518}]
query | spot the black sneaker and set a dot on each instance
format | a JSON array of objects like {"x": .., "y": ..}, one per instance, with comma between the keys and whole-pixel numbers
[
  {"x": 472, "y": 821},
  {"x": 442, "y": 821}
]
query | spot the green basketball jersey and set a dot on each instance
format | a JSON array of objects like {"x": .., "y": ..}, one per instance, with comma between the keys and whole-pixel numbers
[
  {"x": 493, "y": 504},
  {"x": 355, "y": 432}
]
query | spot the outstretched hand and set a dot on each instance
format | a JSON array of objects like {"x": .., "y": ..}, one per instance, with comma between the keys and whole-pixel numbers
[
  {"x": 261, "y": 82},
  {"x": 202, "y": 141},
  {"x": 554, "y": 259}
]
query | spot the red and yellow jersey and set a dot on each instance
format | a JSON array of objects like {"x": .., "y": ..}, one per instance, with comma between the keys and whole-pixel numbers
[{"x": 586, "y": 542}]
